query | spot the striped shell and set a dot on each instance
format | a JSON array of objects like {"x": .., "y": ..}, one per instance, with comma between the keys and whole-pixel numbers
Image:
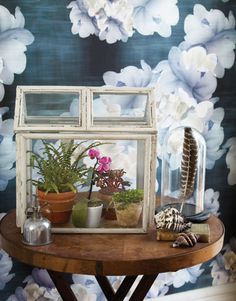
[
  {"x": 171, "y": 219},
  {"x": 183, "y": 240}
]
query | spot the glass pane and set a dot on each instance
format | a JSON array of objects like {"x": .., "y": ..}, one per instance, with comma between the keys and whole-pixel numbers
[
  {"x": 104, "y": 168},
  {"x": 52, "y": 108},
  {"x": 116, "y": 109}
]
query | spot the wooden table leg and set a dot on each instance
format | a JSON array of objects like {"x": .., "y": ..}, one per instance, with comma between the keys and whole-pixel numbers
[
  {"x": 139, "y": 293},
  {"x": 143, "y": 287},
  {"x": 106, "y": 287},
  {"x": 122, "y": 291},
  {"x": 62, "y": 286},
  {"x": 124, "y": 288}
]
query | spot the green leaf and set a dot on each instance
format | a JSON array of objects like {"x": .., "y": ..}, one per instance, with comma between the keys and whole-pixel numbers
[{"x": 57, "y": 173}]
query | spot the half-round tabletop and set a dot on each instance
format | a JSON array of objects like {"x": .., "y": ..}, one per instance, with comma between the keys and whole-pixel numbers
[{"x": 109, "y": 254}]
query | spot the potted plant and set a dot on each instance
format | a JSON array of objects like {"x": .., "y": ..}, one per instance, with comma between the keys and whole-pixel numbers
[
  {"x": 128, "y": 206},
  {"x": 110, "y": 182},
  {"x": 94, "y": 213},
  {"x": 94, "y": 207},
  {"x": 60, "y": 170},
  {"x": 87, "y": 213}
]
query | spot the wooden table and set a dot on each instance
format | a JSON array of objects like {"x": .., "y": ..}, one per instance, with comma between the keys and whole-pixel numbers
[{"x": 109, "y": 254}]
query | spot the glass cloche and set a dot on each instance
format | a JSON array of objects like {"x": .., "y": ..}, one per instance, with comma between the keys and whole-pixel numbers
[{"x": 183, "y": 170}]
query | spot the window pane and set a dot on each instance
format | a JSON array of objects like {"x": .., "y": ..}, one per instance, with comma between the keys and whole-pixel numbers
[
  {"x": 52, "y": 108},
  {"x": 117, "y": 166},
  {"x": 120, "y": 109}
]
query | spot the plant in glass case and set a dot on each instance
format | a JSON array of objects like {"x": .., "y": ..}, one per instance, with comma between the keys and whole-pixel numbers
[
  {"x": 128, "y": 206},
  {"x": 43, "y": 113},
  {"x": 60, "y": 170}
]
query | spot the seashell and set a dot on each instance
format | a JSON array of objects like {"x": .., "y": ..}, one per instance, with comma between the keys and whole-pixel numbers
[
  {"x": 171, "y": 219},
  {"x": 188, "y": 239}
]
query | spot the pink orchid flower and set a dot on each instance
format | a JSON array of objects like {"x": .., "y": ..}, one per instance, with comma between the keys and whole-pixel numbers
[
  {"x": 94, "y": 153},
  {"x": 104, "y": 164}
]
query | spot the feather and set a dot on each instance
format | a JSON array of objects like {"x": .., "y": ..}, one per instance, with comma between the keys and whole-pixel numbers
[{"x": 188, "y": 164}]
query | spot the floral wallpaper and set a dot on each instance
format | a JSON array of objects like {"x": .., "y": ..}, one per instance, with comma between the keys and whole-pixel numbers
[{"x": 184, "y": 49}]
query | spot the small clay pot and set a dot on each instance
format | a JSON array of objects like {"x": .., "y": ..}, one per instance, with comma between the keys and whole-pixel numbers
[
  {"x": 130, "y": 215},
  {"x": 108, "y": 211},
  {"x": 56, "y": 207}
]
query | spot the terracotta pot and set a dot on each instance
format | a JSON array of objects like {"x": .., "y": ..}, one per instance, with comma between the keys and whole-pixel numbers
[
  {"x": 56, "y": 207},
  {"x": 108, "y": 211},
  {"x": 130, "y": 215}
]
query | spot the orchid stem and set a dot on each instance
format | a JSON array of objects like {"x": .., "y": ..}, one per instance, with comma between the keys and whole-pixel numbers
[{"x": 92, "y": 181}]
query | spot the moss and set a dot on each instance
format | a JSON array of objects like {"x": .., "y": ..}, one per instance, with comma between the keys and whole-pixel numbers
[{"x": 126, "y": 197}]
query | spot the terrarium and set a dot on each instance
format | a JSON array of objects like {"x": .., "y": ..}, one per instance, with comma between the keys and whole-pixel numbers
[
  {"x": 83, "y": 145},
  {"x": 183, "y": 170}
]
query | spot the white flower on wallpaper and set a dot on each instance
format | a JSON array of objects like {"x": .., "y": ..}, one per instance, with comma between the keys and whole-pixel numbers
[
  {"x": 159, "y": 288},
  {"x": 13, "y": 41},
  {"x": 224, "y": 265},
  {"x": 184, "y": 84},
  {"x": 215, "y": 32},
  {"x": 231, "y": 160},
  {"x": 173, "y": 109},
  {"x": 197, "y": 58},
  {"x": 214, "y": 137},
  {"x": 38, "y": 286},
  {"x": 152, "y": 16},
  {"x": 109, "y": 20},
  {"x": 176, "y": 105},
  {"x": 180, "y": 71},
  {"x": 90, "y": 284},
  {"x": 5, "y": 268},
  {"x": 73, "y": 109},
  {"x": 116, "y": 20},
  {"x": 130, "y": 76},
  {"x": 179, "y": 278},
  {"x": 211, "y": 201},
  {"x": 7, "y": 150},
  {"x": 82, "y": 293}
]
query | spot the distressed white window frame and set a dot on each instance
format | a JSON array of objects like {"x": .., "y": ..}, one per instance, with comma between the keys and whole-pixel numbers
[{"x": 85, "y": 131}]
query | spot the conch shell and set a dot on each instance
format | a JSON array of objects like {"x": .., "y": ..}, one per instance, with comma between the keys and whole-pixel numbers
[
  {"x": 188, "y": 239},
  {"x": 171, "y": 219}
]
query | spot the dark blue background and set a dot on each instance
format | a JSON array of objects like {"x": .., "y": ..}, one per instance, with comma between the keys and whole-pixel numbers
[{"x": 59, "y": 58}]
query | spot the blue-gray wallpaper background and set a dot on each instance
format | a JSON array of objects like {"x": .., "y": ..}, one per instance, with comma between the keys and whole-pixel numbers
[{"x": 58, "y": 57}]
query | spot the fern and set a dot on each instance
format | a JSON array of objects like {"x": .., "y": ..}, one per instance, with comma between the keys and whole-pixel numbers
[{"x": 56, "y": 171}]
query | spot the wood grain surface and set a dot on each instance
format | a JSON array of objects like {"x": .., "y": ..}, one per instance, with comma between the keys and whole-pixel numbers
[{"x": 109, "y": 254}]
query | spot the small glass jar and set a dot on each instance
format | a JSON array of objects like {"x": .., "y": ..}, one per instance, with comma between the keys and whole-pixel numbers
[{"x": 183, "y": 170}]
